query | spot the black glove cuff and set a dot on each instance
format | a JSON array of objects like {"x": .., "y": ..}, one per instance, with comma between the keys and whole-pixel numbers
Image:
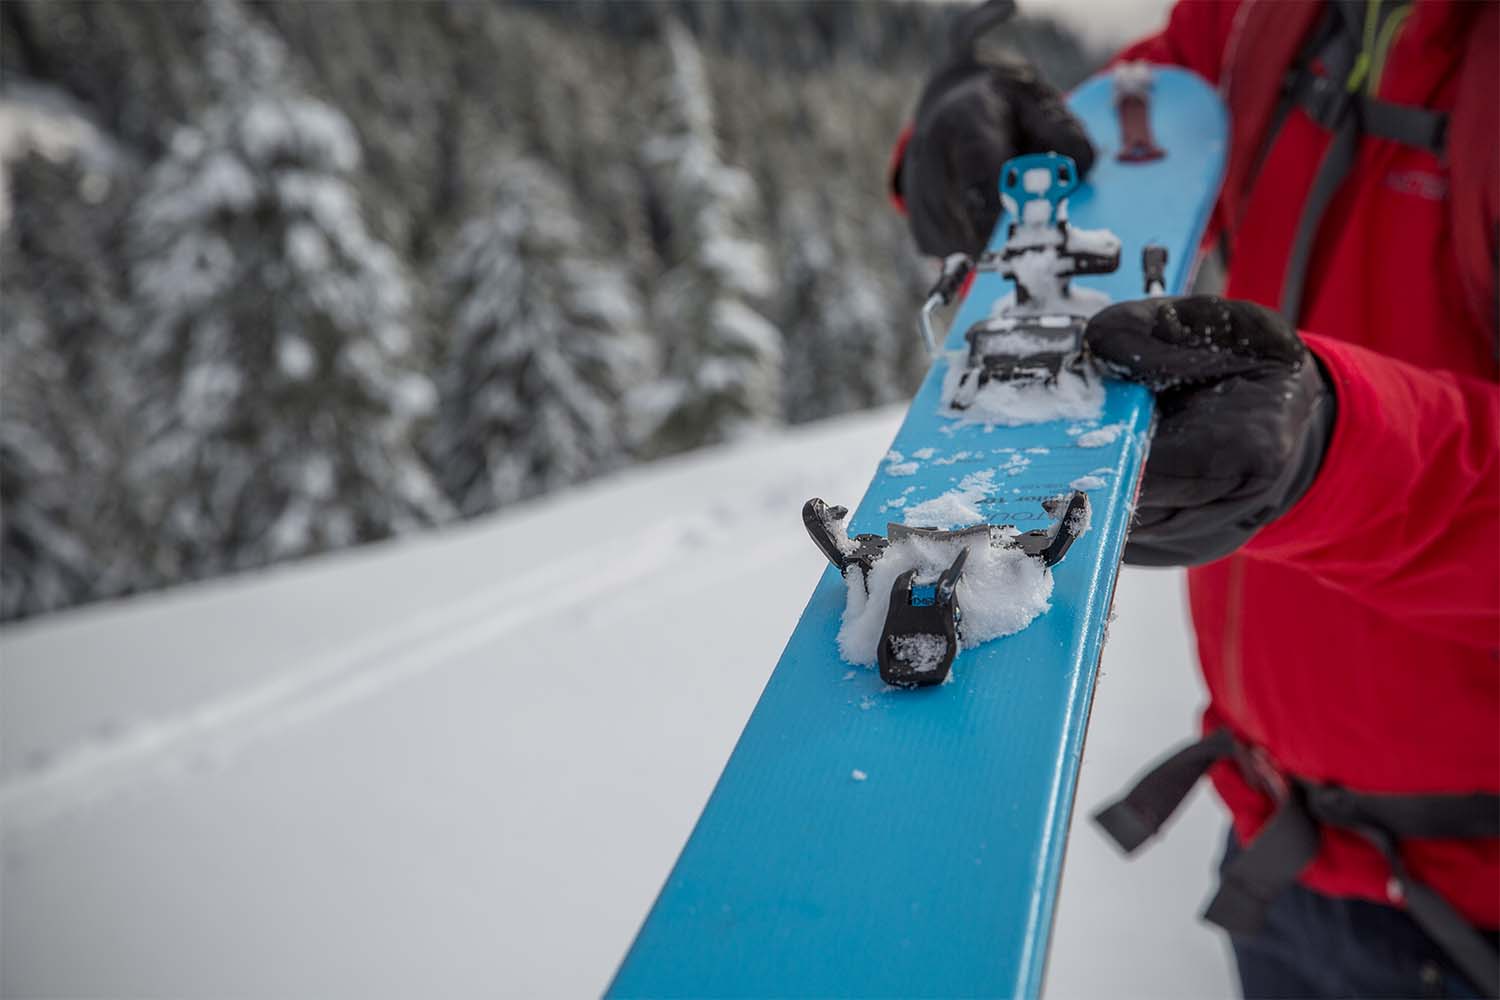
[{"x": 1321, "y": 420}]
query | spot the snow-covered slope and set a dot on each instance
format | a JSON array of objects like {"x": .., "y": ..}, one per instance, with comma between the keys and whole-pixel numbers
[{"x": 462, "y": 765}]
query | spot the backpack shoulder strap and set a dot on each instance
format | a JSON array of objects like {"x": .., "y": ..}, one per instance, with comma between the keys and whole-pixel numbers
[
  {"x": 1474, "y": 171},
  {"x": 1263, "y": 45}
]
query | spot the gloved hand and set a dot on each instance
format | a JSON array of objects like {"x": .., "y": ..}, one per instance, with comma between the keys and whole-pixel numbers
[
  {"x": 1245, "y": 414},
  {"x": 976, "y": 112}
]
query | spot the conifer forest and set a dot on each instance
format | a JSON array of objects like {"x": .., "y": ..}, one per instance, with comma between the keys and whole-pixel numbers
[{"x": 280, "y": 278}]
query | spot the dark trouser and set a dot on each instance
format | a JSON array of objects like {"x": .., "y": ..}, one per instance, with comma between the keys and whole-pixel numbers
[{"x": 1314, "y": 945}]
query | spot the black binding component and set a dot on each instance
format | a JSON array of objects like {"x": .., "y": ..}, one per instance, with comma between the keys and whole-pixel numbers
[
  {"x": 1072, "y": 260},
  {"x": 921, "y": 635},
  {"x": 1052, "y": 345},
  {"x": 823, "y": 524},
  {"x": 920, "y": 638},
  {"x": 1040, "y": 333},
  {"x": 1072, "y": 512},
  {"x": 1154, "y": 269}
]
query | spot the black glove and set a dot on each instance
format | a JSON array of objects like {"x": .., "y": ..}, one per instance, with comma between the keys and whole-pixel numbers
[
  {"x": 1245, "y": 414},
  {"x": 975, "y": 113}
]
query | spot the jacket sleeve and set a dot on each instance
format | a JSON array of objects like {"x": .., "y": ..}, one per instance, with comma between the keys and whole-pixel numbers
[
  {"x": 1405, "y": 512},
  {"x": 1194, "y": 38}
]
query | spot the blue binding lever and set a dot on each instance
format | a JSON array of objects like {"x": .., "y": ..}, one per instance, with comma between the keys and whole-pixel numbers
[{"x": 1035, "y": 178}]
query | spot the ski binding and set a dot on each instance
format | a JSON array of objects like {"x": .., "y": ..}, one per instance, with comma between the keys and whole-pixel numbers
[
  {"x": 923, "y": 624},
  {"x": 1035, "y": 333}
]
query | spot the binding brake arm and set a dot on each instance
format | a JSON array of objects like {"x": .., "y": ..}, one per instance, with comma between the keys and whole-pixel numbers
[
  {"x": 1051, "y": 544},
  {"x": 825, "y": 526},
  {"x": 956, "y": 270}
]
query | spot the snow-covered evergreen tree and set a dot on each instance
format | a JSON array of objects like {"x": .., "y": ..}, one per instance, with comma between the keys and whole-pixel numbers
[
  {"x": 847, "y": 343},
  {"x": 45, "y": 557},
  {"x": 545, "y": 340},
  {"x": 276, "y": 330},
  {"x": 64, "y": 538},
  {"x": 723, "y": 357}
]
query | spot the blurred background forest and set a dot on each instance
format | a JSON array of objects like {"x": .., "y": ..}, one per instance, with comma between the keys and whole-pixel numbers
[{"x": 278, "y": 278}]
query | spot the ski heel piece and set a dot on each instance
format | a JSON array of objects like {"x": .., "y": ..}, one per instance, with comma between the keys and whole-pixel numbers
[{"x": 920, "y": 638}]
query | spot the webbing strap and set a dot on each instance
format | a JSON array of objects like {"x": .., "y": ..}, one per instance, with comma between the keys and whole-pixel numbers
[
  {"x": 1474, "y": 956},
  {"x": 1268, "y": 866},
  {"x": 1330, "y": 101},
  {"x": 1348, "y": 116},
  {"x": 1290, "y": 840},
  {"x": 1141, "y": 813},
  {"x": 1461, "y": 816},
  {"x": 1338, "y": 159},
  {"x": 1328, "y": 105},
  {"x": 1420, "y": 128}
]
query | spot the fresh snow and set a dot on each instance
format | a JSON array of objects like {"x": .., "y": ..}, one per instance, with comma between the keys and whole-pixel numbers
[
  {"x": 44, "y": 120},
  {"x": 1100, "y": 437},
  {"x": 957, "y": 507},
  {"x": 1001, "y": 591},
  {"x": 999, "y": 403},
  {"x": 1093, "y": 241},
  {"x": 923, "y": 651},
  {"x": 1036, "y": 181},
  {"x": 1017, "y": 342},
  {"x": 463, "y": 763}
]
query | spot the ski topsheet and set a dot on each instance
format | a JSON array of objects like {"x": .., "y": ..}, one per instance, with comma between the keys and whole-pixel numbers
[{"x": 866, "y": 839}]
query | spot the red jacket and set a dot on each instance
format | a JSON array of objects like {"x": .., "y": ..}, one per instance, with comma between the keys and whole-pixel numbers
[{"x": 1356, "y": 640}]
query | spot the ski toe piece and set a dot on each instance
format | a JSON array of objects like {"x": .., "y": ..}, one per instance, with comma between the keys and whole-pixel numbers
[{"x": 1072, "y": 512}]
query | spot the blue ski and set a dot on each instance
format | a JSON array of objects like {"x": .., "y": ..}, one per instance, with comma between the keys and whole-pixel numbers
[{"x": 906, "y": 839}]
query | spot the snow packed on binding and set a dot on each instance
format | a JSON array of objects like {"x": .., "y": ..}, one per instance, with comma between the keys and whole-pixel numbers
[
  {"x": 901, "y": 832},
  {"x": 1030, "y": 348}
]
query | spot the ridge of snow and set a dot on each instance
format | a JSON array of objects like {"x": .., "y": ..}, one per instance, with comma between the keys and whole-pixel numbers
[{"x": 407, "y": 767}]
